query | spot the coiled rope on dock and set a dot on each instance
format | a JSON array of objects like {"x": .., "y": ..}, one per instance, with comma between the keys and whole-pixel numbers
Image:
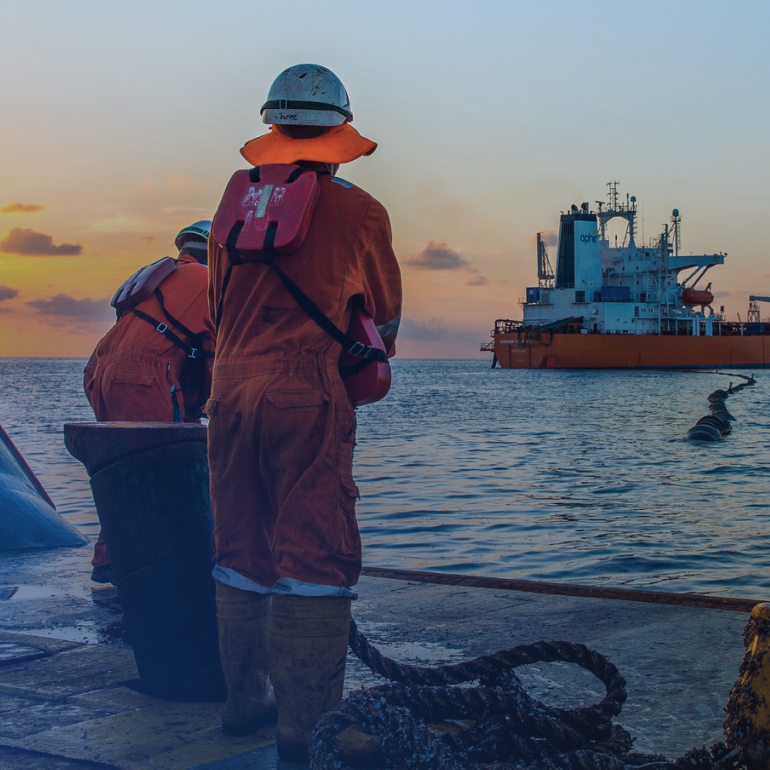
[{"x": 510, "y": 729}]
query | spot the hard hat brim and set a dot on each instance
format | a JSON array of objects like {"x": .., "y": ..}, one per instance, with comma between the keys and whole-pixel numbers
[{"x": 340, "y": 144}]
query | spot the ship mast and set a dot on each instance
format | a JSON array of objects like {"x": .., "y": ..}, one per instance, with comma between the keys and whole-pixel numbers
[{"x": 614, "y": 209}]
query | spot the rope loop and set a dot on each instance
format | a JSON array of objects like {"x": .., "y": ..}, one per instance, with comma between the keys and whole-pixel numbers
[{"x": 509, "y": 729}]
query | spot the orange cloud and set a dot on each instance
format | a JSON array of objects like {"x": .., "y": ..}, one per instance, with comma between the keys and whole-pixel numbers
[
  {"x": 29, "y": 243},
  {"x": 6, "y": 292},
  {"x": 21, "y": 208}
]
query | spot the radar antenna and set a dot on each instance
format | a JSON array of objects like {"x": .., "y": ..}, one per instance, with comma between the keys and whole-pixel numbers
[{"x": 677, "y": 222}]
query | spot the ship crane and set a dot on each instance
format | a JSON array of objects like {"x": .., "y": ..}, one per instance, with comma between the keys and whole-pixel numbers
[
  {"x": 545, "y": 272},
  {"x": 753, "y": 316}
]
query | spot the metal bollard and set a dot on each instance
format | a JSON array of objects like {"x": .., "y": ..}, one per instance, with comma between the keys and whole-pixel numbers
[
  {"x": 150, "y": 487},
  {"x": 747, "y": 725}
]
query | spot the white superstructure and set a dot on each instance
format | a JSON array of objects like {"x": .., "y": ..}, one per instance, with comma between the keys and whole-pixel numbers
[{"x": 621, "y": 288}]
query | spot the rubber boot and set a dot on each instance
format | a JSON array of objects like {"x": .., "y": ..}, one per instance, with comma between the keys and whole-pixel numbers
[
  {"x": 243, "y": 620},
  {"x": 308, "y": 651}
]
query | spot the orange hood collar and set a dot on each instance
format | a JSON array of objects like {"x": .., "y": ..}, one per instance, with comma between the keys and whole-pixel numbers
[{"x": 340, "y": 145}]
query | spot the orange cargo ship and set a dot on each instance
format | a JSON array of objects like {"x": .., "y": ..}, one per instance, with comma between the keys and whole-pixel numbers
[{"x": 622, "y": 306}]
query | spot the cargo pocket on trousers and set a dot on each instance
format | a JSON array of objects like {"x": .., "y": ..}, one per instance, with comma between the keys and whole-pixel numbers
[
  {"x": 133, "y": 378},
  {"x": 350, "y": 538},
  {"x": 218, "y": 445},
  {"x": 326, "y": 517},
  {"x": 294, "y": 427}
]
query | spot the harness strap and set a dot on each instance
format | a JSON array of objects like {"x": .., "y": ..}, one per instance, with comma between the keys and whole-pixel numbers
[
  {"x": 163, "y": 329},
  {"x": 367, "y": 353},
  {"x": 234, "y": 258},
  {"x": 196, "y": 352},
  {"x": 197, "y": 355}
]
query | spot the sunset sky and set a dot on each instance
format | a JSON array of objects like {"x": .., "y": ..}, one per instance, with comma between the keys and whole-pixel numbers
[{"x": 121, "y": 123}]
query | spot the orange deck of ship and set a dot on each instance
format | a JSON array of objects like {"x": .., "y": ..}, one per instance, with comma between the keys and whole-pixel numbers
[{"x": 631, "y": 351}]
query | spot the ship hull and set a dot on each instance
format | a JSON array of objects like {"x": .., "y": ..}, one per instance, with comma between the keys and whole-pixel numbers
[{"x": 630, "y": 351}]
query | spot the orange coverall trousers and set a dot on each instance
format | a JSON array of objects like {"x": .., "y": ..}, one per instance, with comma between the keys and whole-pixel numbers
[{"x": 281, "y": 436}]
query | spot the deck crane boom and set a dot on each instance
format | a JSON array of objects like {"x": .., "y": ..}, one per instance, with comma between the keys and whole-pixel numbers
[{"x": 753, "y": 315}]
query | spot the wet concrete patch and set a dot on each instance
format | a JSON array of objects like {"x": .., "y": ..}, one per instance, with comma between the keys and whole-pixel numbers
[
  {"x": 164, "y": 735},
  {"x": 265, "y": 758},
  {"x": 23, "y": 759},
  {"x": 71, "y": 672},
  {"x": 14, "y": 652},
  {"x": 21, "y": 717},
  {"x": 54, "y": 598}
]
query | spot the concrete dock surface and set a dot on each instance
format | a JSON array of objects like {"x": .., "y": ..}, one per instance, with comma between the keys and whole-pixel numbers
[{"x": 68, "y": 683}]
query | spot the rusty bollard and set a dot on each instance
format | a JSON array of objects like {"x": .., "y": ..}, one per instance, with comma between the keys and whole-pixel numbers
[
  {"x": 150, "y": 487},
  {"x": 747, "y": 726}
]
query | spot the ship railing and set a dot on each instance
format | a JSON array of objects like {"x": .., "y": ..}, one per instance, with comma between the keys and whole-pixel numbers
[{"x": 506, "y": 326}]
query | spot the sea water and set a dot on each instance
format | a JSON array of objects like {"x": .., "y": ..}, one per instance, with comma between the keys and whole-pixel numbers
[{"x": 574, "y": 476}]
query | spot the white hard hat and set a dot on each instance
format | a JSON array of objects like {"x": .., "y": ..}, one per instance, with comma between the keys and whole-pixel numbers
[
  {"x": 307, "y": 95},
  {"x": 201, "y": 229}
]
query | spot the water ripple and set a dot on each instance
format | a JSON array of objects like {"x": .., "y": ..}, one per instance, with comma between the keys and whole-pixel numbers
[{"x": 570, "y": 476}]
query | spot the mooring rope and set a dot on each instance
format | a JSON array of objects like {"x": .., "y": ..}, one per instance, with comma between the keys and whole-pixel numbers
[{"x": 510, "y": 729}]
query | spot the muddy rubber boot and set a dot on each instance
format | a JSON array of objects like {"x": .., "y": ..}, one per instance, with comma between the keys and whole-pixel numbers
[
  {"x": 308, "y": 650},
  {"x": 243, "y": 620}
]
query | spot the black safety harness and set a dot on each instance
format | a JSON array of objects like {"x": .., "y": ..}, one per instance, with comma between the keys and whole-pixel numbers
[
  {"x": 193, "y": 348},
  {"x": 366, "y": 353}
]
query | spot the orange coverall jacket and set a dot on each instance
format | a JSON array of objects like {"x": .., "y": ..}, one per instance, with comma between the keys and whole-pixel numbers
[
  {"x": 134, "y": 367},
  {"x": 130, "y": 375},
  {"x": 281, "y": 426}
]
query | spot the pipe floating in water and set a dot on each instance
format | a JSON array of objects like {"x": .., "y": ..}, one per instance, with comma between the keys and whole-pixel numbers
[
  {"x": 721, "y": 411},
  {"x": 29, "y": 519},
  {"x": 723, "y": 426},
  {"x": 716, "y": 425},
  {"x": 703, "y": 432}
]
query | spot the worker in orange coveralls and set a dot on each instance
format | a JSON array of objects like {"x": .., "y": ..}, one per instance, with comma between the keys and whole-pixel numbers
[
  {"x": 139, "y": 373},
  {"x": 282, "y": 427}
]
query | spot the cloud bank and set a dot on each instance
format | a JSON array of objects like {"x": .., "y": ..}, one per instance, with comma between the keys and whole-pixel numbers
[
  {"x": 6, "y": 292},
  {"x": 20, "y": 208},
  {"x": 430, "y": 331},
  {"x": 65, "y": 306},
  {"x": 22, "y": 240},
  {"x": 438, "y": 256}
]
